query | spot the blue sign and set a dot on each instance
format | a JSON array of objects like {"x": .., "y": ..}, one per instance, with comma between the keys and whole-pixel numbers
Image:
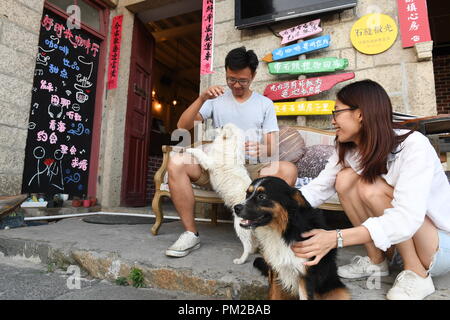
[{"x": 301, "y": 48}]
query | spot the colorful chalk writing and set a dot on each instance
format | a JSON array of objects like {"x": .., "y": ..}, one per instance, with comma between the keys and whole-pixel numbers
[{"x": 58, "y": 146}]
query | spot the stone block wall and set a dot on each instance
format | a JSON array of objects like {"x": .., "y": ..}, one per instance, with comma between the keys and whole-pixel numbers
[
  {"x": 409, "y": 83},
  {"x": 19, "y": 35},
  {"x": 442, "y": 76}
]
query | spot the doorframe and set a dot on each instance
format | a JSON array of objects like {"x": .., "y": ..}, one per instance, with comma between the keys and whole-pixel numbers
[{"x": 100, "y": 87}]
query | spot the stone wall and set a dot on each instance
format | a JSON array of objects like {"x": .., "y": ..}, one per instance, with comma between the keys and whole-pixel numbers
[
  {"x": 19, "y": 35},
  {"x": 409, "y": 83}
]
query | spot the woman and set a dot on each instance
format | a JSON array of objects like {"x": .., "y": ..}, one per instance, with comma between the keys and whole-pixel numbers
[{"x": 393, "y": 189}]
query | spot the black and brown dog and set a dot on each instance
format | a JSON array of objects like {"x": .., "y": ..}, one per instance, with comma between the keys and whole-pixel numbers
[{"x": 279, "y": 214}]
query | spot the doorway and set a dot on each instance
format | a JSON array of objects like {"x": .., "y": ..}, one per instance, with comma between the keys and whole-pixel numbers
[{"x": 175, "y": 78}]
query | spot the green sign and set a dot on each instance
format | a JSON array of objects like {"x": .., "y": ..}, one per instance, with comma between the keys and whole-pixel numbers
[{"x": 308, "y": 66}]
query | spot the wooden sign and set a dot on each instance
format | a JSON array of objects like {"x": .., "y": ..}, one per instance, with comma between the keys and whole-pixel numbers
[
  {"x": 304, "y": 88},
  {"x": 301, "y": 108},
  {"x": 308, "y": 66},
  {"x": 298, "y": 48},
  {"x": 413, "y": 19},
  {"x": 300, "y": 31},
  {"x": 58, "y": 148},
  {"x": 374, "y": 33}
]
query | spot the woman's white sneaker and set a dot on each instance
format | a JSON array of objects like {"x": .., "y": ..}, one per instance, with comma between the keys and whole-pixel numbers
[
  {"x": 187, "y": 242},
  {"x": 410, "y": 286},
  {"x": 361, "y": 267}
]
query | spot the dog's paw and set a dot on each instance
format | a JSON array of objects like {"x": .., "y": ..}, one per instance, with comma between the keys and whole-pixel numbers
[{"x": 239, "y": 261}]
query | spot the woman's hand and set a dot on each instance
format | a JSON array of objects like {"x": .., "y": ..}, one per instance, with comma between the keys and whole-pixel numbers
[{"x": 318, "y": 246}]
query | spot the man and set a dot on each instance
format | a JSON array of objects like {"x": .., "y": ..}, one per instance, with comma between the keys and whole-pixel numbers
[{"x": 246, "y": 109}]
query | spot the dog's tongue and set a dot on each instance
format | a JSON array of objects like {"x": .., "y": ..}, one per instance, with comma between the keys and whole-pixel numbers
[{"x": 246, "y": 222}]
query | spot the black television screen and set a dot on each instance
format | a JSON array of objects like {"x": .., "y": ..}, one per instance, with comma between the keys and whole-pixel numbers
[{"x": 249, "y": 13}]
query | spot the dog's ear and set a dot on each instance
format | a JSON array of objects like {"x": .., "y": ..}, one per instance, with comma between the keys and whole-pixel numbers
[{"x": 298, "y": 197}]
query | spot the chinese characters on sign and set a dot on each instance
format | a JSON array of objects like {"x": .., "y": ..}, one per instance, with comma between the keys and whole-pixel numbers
[
  {"x": 114, "y": 52},
  {"x": 304, "y": 108},
  {"x": 207, "y": 46},
  {"x": 301, "y": 48},
  {"x": 58, "y": 148},
  {"x": 413, "y": 18},
  {"x": 300, "y": 31},
  {"x": 308, "y": 66},
  {"x": 373, "y": 33},
  {"x": 304, "y": 88}
]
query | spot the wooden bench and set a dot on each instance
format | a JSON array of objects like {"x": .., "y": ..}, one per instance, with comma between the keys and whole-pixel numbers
[{"x": 311, "y": 136}]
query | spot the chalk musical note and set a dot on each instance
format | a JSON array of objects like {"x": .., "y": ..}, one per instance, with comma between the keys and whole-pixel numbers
[
  {"x": 39, "y": 72},
  {"x": 68, "y": 138},
  {"x": 82, "y": 151},
  {"x": 34, "y": 89}
]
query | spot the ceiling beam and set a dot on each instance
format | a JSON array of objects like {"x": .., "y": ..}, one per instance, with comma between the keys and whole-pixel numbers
[{"x": 176, "y": 32}]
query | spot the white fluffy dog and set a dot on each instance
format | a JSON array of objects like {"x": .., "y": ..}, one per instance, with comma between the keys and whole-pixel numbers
[{"x": 229, "y": 178}]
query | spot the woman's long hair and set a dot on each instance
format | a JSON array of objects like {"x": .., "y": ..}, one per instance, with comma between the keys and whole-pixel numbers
[{"x": 377, "y": 137}]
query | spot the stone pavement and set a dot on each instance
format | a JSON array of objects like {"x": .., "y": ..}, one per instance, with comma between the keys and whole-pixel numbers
[{"x": 110, "y": 251}]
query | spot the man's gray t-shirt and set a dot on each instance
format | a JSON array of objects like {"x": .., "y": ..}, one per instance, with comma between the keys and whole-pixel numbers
[{"x": 256, "y": 116}]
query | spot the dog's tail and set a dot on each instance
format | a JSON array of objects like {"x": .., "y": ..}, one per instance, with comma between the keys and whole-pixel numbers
[{"x": 262, "y": 266}]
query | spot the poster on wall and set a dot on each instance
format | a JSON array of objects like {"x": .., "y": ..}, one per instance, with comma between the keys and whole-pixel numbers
[
  {"x": 413, "y": 19},
  {"x": 61, "y": 116},
  {"x": 207, "y": 45}
]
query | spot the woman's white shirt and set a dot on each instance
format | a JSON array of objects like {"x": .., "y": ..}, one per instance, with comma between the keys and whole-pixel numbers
[{"x": 420, "y": 188}]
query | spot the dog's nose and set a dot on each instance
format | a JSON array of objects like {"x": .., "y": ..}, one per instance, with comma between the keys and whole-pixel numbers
[{"x": 238, "y": 208}]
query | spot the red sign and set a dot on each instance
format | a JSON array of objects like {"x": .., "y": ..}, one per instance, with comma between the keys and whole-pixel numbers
[
  {"x": 413, "y": 18},
  {"x": 114, "y": 52},
  {"x": 304, "y": 88},
  {"x": 207, "y": 48}
]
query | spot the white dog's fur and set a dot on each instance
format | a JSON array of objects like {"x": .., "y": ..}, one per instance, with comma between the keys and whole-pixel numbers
[{"x": 229, "y": 178}]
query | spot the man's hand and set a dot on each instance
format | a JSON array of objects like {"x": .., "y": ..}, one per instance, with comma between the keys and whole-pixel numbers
[{"x": 212, "y": 92}]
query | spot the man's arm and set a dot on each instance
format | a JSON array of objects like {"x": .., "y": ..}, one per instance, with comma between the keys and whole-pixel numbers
[{"x": 191, "y": 114}]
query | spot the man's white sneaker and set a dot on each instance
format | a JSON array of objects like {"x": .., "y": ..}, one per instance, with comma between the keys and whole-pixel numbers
[
  {"x": 361, "y": 267},
  {"x": 187, "y": 242},
  {"x": 410, "y": 286}
]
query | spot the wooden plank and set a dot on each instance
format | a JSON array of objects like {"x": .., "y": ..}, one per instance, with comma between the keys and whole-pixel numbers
[
  {"x": 308, "y": 66},
  {"x": 9, "y": 203},
  {"x": 301, "y": 31},
  {"x": 299, "y": 48},
  {"x": 304, "y": 88},
  {"x": 301, "y": 108}
]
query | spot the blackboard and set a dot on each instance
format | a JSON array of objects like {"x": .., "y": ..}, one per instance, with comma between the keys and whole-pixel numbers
[{"x": 58, "y": 148}]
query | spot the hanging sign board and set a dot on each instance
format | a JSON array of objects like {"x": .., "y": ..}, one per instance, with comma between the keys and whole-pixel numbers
[
  {"x": 298, "y": 48},
  {"x": 373, "y": 33},
  {"x": 302, "y": 108},
  {"x": 413, "y": 19},
  {"x": 207, "y": 43},
  {"x": 308, "y": 66},
  {"x": 300, "y": 31},
  {"x": 114, "y": 52},
  {"x": 58, "y": 147},
  {"x": 304, "y": 88}
]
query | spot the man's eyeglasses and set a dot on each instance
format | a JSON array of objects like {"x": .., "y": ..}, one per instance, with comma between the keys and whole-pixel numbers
[
  {"x": 334, "y": 112},
  {"x": 242, "y": 82}
]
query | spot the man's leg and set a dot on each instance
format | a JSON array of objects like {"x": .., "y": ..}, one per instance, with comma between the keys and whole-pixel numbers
[
  {"x": 281, "y": 169},
  {"x": 182, "y": 170}
]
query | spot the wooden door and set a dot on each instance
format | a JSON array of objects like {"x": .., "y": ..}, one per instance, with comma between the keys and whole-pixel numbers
[{"x": 137, "y": 131}]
